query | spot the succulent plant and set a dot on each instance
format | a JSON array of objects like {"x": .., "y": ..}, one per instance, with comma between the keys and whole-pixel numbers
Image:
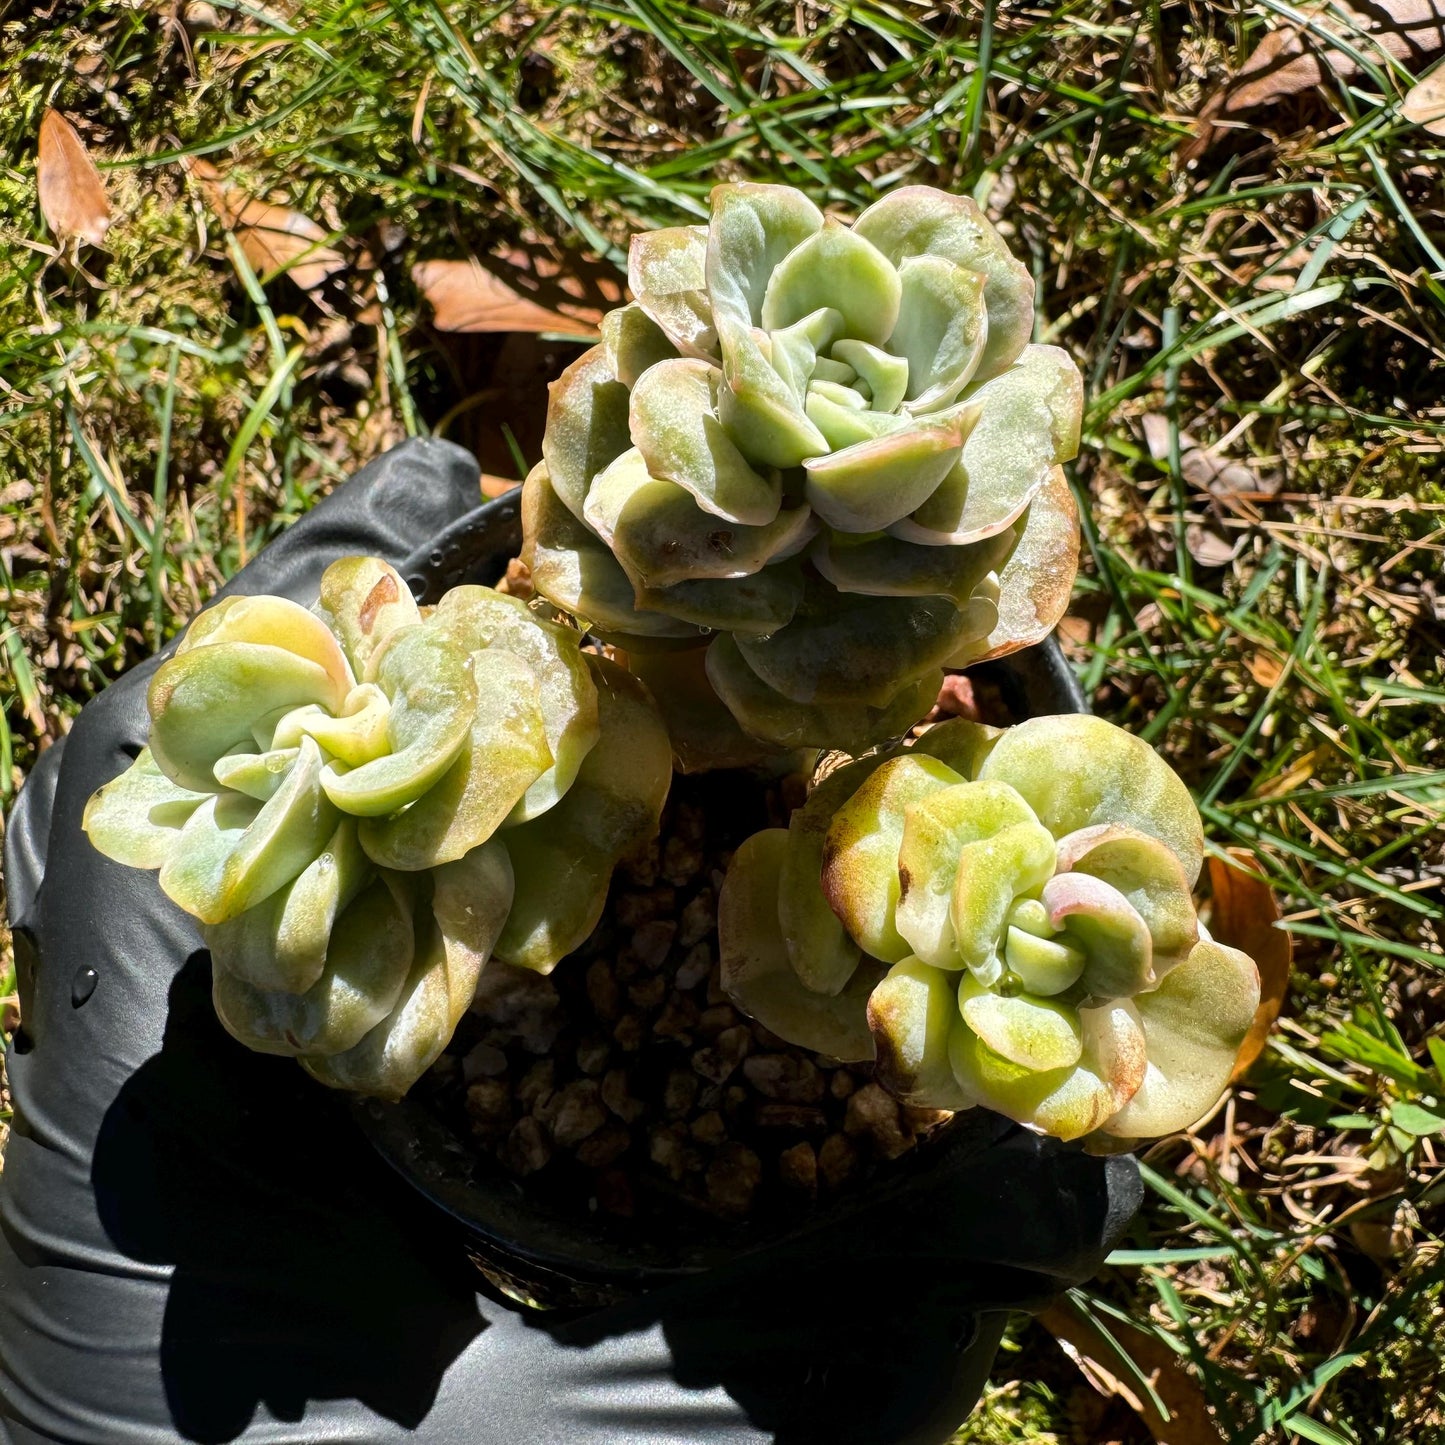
[
  {"x": 361, "y": 805},
  {"x": 1007, "y": 918},
  {"x": 827, "y": 453}
]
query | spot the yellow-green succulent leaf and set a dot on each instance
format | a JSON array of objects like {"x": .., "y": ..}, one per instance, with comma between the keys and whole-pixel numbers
[
  {"x": 274, "y": 622},
  {"x": 911, "y": 1014},
  {"x": 1100, "y": 921},
  {"x": 960, "y": 742},
  {"x": 355, "y": 735},
  {"x": 1034, "y": 1033},
  {"x": 137, "y": 817},
  {"x": 365, "y": 600},
  {"x": 257, "y": 775},
  {"x": 634, "y": 342}
]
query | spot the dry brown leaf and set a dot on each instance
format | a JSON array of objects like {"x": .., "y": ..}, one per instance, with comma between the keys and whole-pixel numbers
[
  {"x": 497, "y": 486},
  {"x": 467, "y": 297},
  {"x": 1189, "y": 1421},
  {"x": 72, "y": 198},
  {"x": 1295, "y": 58},
  {"x": 1243, "y": 915},
  {"x": 1425, "y": 103},
  {"x": 273, "y": 237}
]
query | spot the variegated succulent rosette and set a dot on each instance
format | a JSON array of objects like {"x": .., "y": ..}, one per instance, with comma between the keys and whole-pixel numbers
[
  {"x": 828, "y": 454},
  {"x": 362, "y": 805},
  {"x": 1006, "y": 919}
]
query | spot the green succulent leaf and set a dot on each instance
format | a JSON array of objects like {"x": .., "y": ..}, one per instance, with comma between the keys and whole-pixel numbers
[
  {"x": 233, "y": 851},
  {"x": 942, "y": 328},
  {"x": 754, "y": 606},
  {"x": 634, "y": 342},
  {"x": 753, "y": 228},
  {"x": 677, "y": 432},
  {"x": 428, "y": 678},
  {"x": 756, "y": 970},
  {"x": 839, "y": 269},
  {"x": 274, "y": 622},
  {"x": 961, "y": 743},
  {"x": 861, "y": 850},
  {"x": 1194, "y": 1024},
  {"x": 469, "y": 903},
  {"x": 884, "y": 374},
  {"x": 563, "y": 861},
  {"x": 367, "y": 962},
  {"x": 502, "y": 755},
  {"x": 1120, "y": 780},
  {"x": 921, "y": 221},
  {"x": 136, "y": 818},
  {"x": 587, "y": 426},
  {"x": 882, "y": 566},
  {"x": 257, "y": 775},
  {"x": 1034, "y": 1033},
  {"x": 760, "y": 411},
  {"x": 667, "y": 273},
  {"x": 359, "y": 733},
  {"x": 911, "y": 1014},
  {"x": 364, "y": 600}
]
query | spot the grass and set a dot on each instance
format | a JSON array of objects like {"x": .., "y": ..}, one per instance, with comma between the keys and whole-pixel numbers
[{"x": 1279, "y": 301}]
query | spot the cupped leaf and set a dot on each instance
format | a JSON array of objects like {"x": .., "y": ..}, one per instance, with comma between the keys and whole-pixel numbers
[
  {"x": 764, "y": 713},
  {"x": 882, "y": 566},
  {"x": 836, "y": 268},
  {"x": 871, "y": 485},
  {"x": 885, "y": 375},
  {"x": 137, "y": 817},
  {"x": 1098, "y": 919},
  {"x": 911, "y": 1014},
  {"x": 280, "y": 945},
  {"x": 257, "y": 775},
  {"x": 586, "y": 426},
  {"x": 860, "y": 851},
  {"x": 563, "y": 861},
  {"x": 760, "y": 411},
  {"x": 469, "y": 904},
  {"x": 480, "y": 618},
  {"x": 504, "y": 753},
  {"x": 1149, "y": 875},
  {"x": 1019, "y": 426},
  {"x": 365, "y": 600},
  {"x": 819, "y": 948},
  {"x": 661, "y": 536},
  {"x": 428, "y": 678},
  {"x": 1194, "y": 1024},
  {"x": 793, "y": 351},
  {"x": 941, "y": 330},
  {"x": 273, "y": 622},
  {"x": 1044, "y": 965},
  {"x": 204, "y": 702},
  {"x": 756, "y": 971},
  {"x": 846, "y": 423},
  {"x": 634, "y": 342},
  {"x": 752, "y": 606},
  {"x": 233, "y": 851},
  {"x": 572, "y": 568},
  {"x": 676, "y": 429},
  {"x": 360, "y": 733},
  {"x": 367, "y": 962},
  {"x": 752, "y": 228},
  {"x": 1110, "y": 777},
  {"x": 1034, "y": 1033},
  {"x": 960, "y": 742},
  {"x": 845, "y": 648},
  {"x": 940, "y": 831},
  {"x": 919, "y": 220},
  {"x": 666, "y": 272}
]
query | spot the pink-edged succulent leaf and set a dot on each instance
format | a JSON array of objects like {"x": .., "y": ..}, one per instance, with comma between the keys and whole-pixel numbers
[
  {"x": 136, "y": 818},
  {"x": 766, "y": 714},
  {"x": 758, "y": 974},
  {"x": 479, "y": 618},
  {"x": 502, "y": 755},
  {"x": 587, "y": 426},
  {"x": 882, "y": 566},
  {"x": 1078, "y": 771},
  {"x": 911, "y": 1014},
  {"x": 428, "y": 679},
  {"x": 871, "y": 485},
  {"x": 571, "y": 567},
  {"x": 921, "y": 221},
  {"x": 861, "y": 876},
  {"x": 666, "y": 272},
  {"x": 563, "y": 861},
  {"x": 752, "y": 229},
  {"x": 677, "y": 432},
  {"x": 1194, "y": 1024},
  {"x": 1031, "y": 1032},
  {"x": 634, "y": 342},
  {"x": 364, "y": 600},
  {"x": 1096, "y": 918},
  {"x": 367, "y": 961},
  {"x": 469, "y": 903},
  {"x": 834, "y": 268}
]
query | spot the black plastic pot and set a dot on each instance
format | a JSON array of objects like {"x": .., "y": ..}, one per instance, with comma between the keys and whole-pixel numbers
[{"x": 542, "y": 1255}]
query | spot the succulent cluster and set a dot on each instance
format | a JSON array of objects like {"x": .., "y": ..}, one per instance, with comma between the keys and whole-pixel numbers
[
  {"x": 361, "y": 805},
  {"x": 1007, "y": 919},
  {"x": 828, "y": 454}
]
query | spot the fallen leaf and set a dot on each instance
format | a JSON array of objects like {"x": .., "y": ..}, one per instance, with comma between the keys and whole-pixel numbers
[
  {"x": 1297, "y": 57},
  {"x": 518, "y": 291},
  {"x": 1210, "y": 548},
  {"x": 1243, "y": 914},
  {"x": 1189, "y": 1421},
  {"x": 956, "y": 698},
  {"x": 1425, "y": 102},
  {"x": 1205, "y": 468},
  {"x": 273, "y": 237},
  {"x": 72, "y": 198},
  {"x": 1264, "y": 669},
  {"x": 497, "y": 486}
]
